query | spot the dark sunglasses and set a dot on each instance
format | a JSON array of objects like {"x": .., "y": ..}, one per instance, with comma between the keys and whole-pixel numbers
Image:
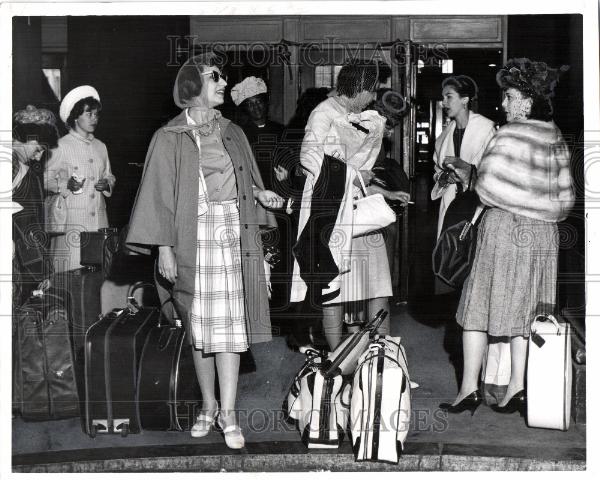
[{"x": 215, "y": 75}]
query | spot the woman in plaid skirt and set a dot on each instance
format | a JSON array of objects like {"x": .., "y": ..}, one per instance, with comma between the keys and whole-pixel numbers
[{"x": 198, "y": 204}]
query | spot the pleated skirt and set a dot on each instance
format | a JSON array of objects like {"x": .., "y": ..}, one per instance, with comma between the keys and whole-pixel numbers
[
  {"x": 513, "y": 276},
  {"x": 218, "y": 320}
]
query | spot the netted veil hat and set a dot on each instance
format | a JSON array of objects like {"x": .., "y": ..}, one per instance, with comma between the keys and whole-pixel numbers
[
  {"x": 535, "y": 79},
  {"x": 189, "y": 81}
]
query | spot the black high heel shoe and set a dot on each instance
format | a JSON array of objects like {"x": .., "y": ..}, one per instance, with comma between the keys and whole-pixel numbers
[
  {"x": 470, "y": 402},
  {"x": 515, "y": 404}
]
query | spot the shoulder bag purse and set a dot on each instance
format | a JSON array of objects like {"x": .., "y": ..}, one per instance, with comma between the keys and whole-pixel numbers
[{"x": 454, "y": 251}]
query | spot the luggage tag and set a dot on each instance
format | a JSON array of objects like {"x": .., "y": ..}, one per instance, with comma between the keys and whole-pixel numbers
[{"x": 537, "y": 339}]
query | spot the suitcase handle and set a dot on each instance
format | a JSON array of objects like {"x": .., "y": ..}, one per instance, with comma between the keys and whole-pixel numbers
[
  {"x": 550, "y": 317},
  {"x": 330, "y": 368},
  {"x": 164, "y": 340}
]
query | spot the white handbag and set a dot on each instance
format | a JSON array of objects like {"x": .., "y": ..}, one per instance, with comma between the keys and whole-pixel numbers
[
  {"x": 371, "y": 213},
  {"x": 549, "y": 373}
]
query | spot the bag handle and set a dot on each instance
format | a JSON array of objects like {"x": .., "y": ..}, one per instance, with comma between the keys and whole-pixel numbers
[
  {"x": 478, "y": 211},
  {"x": 362, "y": 183},
  {"x": 471, "y": 177},
  {"x": 330, "y": 369},
  {"x": 550, "y": 317}
]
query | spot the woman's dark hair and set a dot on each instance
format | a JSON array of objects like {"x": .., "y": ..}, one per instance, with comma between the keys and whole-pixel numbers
[
  {"x": 45, "y": 134},
  {"x": 357, "y": 76},
  {"x": 465, "y": 86},
  {"x": 535, "y": 80},
  {"x": 79, "y": 108}
]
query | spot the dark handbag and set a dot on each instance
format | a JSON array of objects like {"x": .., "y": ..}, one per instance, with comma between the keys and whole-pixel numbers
[
  {"x": 455, "y": 249},
  {"x": 94, "y": 245}
]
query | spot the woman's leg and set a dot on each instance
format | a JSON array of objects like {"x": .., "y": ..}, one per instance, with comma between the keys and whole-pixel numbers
[
  {"x": 205, "y": 371},
  {"x": 474, "y": 344},
  {"x": 332, "y": 324},
  {"x": 228, "y": 369},
  {"x": 518, "y": 359}
]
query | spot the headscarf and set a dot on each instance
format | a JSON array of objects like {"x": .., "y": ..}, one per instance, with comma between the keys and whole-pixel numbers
[{"x": 189, "y": 80}]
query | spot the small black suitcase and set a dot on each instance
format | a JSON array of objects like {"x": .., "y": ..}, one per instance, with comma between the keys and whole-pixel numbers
[
  {"x": 168, "y": 390},
  {"x": 44, "y": 381},
  {"x": 113, "y": 346}
]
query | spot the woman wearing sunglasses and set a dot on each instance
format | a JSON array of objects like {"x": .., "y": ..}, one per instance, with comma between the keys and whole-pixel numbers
[{"x": 199, "y": 203}]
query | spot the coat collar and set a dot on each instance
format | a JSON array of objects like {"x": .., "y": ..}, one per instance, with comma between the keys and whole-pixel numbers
[{"x": 179, "y": 124}]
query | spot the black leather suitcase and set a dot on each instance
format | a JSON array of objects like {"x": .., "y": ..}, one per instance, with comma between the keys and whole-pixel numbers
[
  {"x": 44, "y": 379},
  {"x": 168, "y": 390},
  {"x": 113, "y": 347}
]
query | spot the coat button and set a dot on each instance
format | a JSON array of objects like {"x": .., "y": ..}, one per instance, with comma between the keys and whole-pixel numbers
[
  {"x": 247, "y": 254},
  {"x": 245, "y": 225},
  {"x": 93, "y": 214},
  {"x": 241, "y": 168},
  {"x": 228, "y": 138},
  {"x": 243, "y": 197},
  {"x": 91, "y": 160},
  {"x": 75, "y": 167}
]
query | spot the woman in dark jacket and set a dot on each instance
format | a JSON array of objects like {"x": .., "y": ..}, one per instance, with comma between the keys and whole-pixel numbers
[
  {"x": 34, "y": 133},
  {"x": 197, "y": 204}
]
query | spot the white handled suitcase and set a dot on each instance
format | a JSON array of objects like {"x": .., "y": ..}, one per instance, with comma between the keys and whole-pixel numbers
[{"x": 549, "y": 373}]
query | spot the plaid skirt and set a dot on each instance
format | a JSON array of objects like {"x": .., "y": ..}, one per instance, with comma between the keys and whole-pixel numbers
[
  {"x": 513, "y": 277},
  {"x": 218, "y": 320}
]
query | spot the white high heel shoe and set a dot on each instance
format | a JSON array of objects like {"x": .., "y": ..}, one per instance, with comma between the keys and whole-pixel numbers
[{"x": 232, "y": 434}]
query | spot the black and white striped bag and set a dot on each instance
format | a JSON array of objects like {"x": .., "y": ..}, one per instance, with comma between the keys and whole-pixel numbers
[
  {"x": 380, "y": 407},
  {"x": 319, "y": 404}
]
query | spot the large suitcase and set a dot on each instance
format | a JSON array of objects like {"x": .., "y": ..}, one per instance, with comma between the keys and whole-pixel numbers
[
  {"x": 44, "y": 383},
  {"x": 380, "y": 408},
  {"x": 113, "y": 347},
  {"x": 549, "y": 373},
  {"x": 168, "y": 390},
  {"x": 84, "y": 286}
]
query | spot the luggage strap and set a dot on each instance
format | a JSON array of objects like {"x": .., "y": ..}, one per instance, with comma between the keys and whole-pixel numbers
[{"x": 377, "y": 409}]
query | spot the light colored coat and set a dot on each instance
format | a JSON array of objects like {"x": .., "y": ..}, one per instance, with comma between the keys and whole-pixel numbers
[
  {"x": 166, "y": 213},
  {"x": 86, "y": 211},
  {"x": 359, "y": 153},
  {"x": 478, "y": 133}
]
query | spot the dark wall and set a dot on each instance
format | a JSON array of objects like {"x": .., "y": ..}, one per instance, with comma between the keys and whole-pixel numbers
[
  {"x": 558, "y": 40},
  {"x": 126, "y": 59},
  {"x": 29, "y": 83}
]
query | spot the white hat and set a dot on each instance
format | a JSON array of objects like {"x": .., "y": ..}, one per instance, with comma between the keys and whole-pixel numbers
[
  {"x": 71, "y": 98},
  {"x": 249, "y": 87}
]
